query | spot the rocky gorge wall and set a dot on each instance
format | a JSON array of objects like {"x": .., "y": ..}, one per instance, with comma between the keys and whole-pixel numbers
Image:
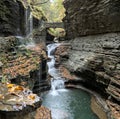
[
  {"x": 93, "y": 31},
  {"x": 22, "y": 64},
  {"x": 13, "y": 18},
  {"x": 22, "y": 69},
  {"x": 97, "y": 59},
  {"x": 91, "y": 17}
]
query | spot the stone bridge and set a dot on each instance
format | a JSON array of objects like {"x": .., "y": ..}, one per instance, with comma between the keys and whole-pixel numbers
[
  {"x": 54, "y": 25},
  {"x": 43, "y": 29}
]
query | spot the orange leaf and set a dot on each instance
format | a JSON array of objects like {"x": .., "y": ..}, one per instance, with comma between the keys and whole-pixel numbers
[
  {"x": 19, "y": 88},
  {"x": 10, "y": 85},
  {"x": 32, "y": 96},
  {"x": 15, "y": 89}
]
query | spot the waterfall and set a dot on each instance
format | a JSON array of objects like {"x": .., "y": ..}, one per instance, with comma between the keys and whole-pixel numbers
[
  {"x": 57, "y": 83},
  {"x": 28, "y": 22},
  {"x": 28, "y": 18},
  {"x": 27, "y": 40},
  {"x": 31, "y": 23},
  {"x": 51, "y": 68}
]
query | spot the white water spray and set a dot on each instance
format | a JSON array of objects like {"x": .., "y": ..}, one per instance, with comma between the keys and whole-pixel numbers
[
  {"x": 28, "y": 22},
  {"x": 57, "y": 83}
]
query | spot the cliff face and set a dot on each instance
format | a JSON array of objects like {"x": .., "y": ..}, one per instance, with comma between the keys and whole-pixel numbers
[
  {"x": 94, "y": 27},
  {"x": 13, "y": 18},
  {"x": 91, "y": 17},
  {"x": 97, "y": 60},
  {"x": 9, "y": 17}
]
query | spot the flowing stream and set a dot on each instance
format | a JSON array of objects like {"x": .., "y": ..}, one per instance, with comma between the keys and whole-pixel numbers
[
  {"x": 65, "y": 103},
  {"x": 57, "y": 83}
]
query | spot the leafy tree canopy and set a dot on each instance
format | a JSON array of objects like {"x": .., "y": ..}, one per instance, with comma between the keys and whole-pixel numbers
[{"x": 53, "y": 10}]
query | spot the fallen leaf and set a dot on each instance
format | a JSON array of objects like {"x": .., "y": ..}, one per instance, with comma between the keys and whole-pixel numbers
[
  {"x": 32, "y": 96},
  {"x": 19, "y": 88},
  {"x": 10, "y": 85},
  {"x": 15, "y": 89}
]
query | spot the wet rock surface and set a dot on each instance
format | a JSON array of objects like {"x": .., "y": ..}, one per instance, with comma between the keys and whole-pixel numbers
[
  {"x": 23, "y": 65},
  {"x": 20, "y": 63},
  {"x": 115, "y": 109},
  {"x": 96, "y": 59},
  {"x": 65, "y": 73},
  {"x": 61, "y": 53},
  {"x": 7, "y": 43},
  {"x": 43, "y": 113},
  {"x": 16, "y": 100}
]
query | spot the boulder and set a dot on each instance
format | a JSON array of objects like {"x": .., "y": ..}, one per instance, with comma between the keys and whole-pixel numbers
[{"x": 17, "y": 101}]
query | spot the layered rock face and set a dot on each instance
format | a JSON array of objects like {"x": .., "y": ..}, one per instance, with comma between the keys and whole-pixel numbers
[
  {"x": 93, "y": 30},
  {"x": 23, "y": 65},
  {"x": 91, "y": 17},
  {"x": 97, "y": 59},
  {"x": 26, "y": 67}
]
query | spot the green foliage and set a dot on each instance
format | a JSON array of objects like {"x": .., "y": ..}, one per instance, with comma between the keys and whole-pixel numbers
[
  {"x": 58, "y": 32},
  {"x": 50, "y": 11},
  {"x": 4, "y": 79},
  {"x": 53, "y": 11}
]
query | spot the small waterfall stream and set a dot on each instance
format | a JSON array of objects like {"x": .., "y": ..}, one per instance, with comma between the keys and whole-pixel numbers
[
  {"x": 27, "y": 36},
  {"x": 65, "y": 103},
  {"x": 28, "y": 22},
  {"x": 57, "y": 82},
  {"x": 27, "y": 40}
]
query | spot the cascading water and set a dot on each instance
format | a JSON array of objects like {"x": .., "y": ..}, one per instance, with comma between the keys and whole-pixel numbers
[
  {"x": 28, "y": 22},
  {"x": 65, "y": 103},
  {"x": 57, "y": 82},
  {"x": 31, "y": 23},
  {"x": 27, "y": 41}
]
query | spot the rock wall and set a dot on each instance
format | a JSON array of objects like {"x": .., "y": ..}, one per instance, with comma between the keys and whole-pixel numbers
[
  {"x": 96, "y": 59},
  {"x": 91, "y": 17},
  {"x": 23, "y": 65},
  {"x": 9, "y": 17},
  {"x": 13, "y": 18},
  {"x": 93, "y": 30}
]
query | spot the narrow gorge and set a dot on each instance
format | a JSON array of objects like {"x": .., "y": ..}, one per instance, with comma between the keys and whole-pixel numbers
[{"x": 59, "y": 59}]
